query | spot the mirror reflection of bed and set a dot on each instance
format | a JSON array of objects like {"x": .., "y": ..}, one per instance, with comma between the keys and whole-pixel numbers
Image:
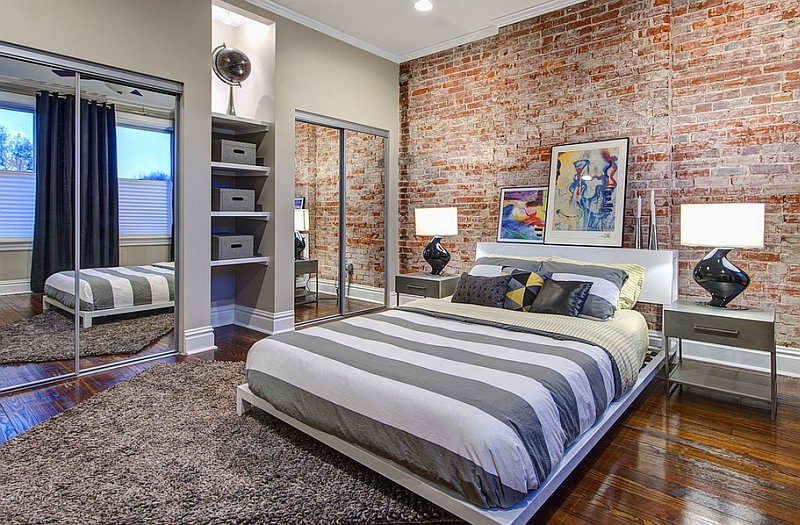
[{"x": 125, "y": 217}]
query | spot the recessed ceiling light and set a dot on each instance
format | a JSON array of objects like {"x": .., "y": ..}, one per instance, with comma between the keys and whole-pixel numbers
[{"x": 423, "y": 5}]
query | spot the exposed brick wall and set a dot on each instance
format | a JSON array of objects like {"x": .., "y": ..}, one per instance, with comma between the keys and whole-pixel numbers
[
  {"x": 707, "y": 92},
  {"x": 317, "y": 179}
]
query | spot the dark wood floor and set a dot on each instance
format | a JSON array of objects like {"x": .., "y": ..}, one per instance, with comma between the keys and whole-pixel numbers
[
  {"x": 327, "y": 306},
  {"x": 692, "y": 458}
]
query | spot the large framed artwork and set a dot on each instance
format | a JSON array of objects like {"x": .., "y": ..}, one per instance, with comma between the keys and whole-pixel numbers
[
  {"x": 586, "y": 195},
  {"x": 522, "y": 214}
]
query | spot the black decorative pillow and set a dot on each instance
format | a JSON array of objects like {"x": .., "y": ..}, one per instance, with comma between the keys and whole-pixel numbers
[
  {"x": 483, "y": 291},
  {"x": 561, "y": 298},
  {"x": 522, "y": 289},
  {"x": 606, "y": 285}
]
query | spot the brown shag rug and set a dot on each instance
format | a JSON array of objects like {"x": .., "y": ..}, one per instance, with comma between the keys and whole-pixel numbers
[
  {"x": 50, "y": 336},
  {"x": 166, "y": 447}
]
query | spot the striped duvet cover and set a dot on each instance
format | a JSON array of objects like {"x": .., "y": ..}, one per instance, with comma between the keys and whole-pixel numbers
[
  {"x": 106, "y": 288},
  {"x": 483, "y": 409}
]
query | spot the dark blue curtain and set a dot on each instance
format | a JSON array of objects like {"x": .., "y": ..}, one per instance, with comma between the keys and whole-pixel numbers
[{"x": 53, "y": 233}]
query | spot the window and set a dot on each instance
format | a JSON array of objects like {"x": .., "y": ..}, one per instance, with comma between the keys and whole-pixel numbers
[
  {"x": 17, "y": 176},
  {"x": 144, "y": 166}
]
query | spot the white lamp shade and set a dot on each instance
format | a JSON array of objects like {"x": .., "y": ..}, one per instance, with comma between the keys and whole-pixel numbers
[
  {"x": 436, "y": 221},
  {"x": 301, "y": 222},
  {"x": 737, "y": 225}
]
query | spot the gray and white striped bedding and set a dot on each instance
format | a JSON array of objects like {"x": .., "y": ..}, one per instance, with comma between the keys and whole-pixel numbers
[
  {"x": 106, "y": 288},
  {"x": 483, "y": 412}
]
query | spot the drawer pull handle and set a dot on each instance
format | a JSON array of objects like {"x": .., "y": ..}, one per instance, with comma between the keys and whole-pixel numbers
[
  {"x": 707, "y": 330},
  {"x": 415, "y": 287}
]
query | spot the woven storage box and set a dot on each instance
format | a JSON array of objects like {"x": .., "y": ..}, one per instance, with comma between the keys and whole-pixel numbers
[
  {"x": 233, "y": 152},
  {"x": 232, "y": 199},
  {"x": 231, "y": 246}
]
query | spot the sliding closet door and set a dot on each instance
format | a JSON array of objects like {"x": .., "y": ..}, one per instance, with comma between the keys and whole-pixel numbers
[
  {"x": 37, "y": 222},
  {"x": 126, "y": 218},
  {"x": 340, "y": 174},
  {"x": 364, "y": 226}
]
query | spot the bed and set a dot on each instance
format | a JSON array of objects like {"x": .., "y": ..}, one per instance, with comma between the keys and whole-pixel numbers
[
  {"x": 112, "y": 291},
  {"x": 480, "y": 410}
]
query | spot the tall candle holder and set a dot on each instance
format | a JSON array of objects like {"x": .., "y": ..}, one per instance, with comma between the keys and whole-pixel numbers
[
  {"x": 637, "y": 230},
  {"x": 652, "y": 241}
]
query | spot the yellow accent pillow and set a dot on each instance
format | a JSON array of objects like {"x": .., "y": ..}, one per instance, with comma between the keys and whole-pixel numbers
[{"x": 631, "y": 288}]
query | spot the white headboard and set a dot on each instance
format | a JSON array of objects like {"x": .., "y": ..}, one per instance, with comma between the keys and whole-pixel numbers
[{"x": 660, "y": 278}]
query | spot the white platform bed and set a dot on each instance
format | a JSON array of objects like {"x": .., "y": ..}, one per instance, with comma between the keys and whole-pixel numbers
[
  {"x": 660, "y": 286},
  {"x": 112, "y": 291}
]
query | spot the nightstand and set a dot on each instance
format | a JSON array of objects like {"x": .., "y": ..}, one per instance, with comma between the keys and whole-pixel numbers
[
  {"x": 425, "y": 285},
  {"x": 302, "y": 267},
  {"x": 753, "y": 328}
]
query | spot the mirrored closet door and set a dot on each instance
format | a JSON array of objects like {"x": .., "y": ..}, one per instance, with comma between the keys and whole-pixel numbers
[
  {"x": 86, "y": 202},
  {"x": 340, "y": 221}
]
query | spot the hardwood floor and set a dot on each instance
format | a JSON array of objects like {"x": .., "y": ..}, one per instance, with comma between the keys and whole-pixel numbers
[
  {"x": 327, "y": 306},
  {"x": 692, "y": 458}
]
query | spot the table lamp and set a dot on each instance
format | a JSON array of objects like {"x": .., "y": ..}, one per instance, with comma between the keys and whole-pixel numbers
[
  {"x": 722, "y": 227},
  {"x": 300, "y": 225},
  {"x": 436, "y": 222}
]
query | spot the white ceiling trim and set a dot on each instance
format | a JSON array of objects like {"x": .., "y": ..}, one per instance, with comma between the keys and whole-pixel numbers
[
  {"x": 449, "y": 44},
  {"x": 325, "y": 29},
  {"x": 524, "y": 14},
  {"x": 540, "y": 9}
]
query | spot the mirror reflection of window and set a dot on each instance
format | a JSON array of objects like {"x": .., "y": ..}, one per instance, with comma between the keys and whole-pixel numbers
[{"x": 17, "y": 176}]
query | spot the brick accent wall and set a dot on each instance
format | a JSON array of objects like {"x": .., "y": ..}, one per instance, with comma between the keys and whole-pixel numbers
[
  {"x": 708, "y": 93},
  {"x": 317, "y": 179}
]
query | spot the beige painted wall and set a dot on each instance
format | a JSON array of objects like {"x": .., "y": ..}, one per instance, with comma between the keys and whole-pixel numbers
[
  {"x": 322, "y": 75},
  {"x": 168, "y": 39}
]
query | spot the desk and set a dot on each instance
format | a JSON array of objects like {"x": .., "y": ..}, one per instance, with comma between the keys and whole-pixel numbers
[
  {"x": 302, "y": 267},
  {"x": 753, "y": 329}
]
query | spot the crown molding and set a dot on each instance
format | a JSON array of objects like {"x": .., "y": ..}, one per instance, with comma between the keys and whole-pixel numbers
[
  {"x": 449, "y": 44},
  {"x": 534, "y": 11},
  {"x": 325, "y": 29}
]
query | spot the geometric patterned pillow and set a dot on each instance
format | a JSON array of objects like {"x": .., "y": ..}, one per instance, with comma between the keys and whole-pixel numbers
[
  {"x": 483, "y": 291},
  {"x": 522, "y": 289}
]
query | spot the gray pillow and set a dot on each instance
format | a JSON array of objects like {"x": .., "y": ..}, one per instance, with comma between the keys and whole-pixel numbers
[
  {"x": 493, "y": 266},
  {"x": 606, "y": 284},
  {"x": 483, "y": 291}
]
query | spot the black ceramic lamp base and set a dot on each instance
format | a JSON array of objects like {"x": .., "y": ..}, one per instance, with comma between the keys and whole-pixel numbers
[
  {"x": 299, "y": 246},
  {"x": 720, "y": 277},
  {"x": 435, "y": 255}
]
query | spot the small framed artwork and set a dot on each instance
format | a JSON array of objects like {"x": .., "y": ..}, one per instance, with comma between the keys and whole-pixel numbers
[
  {"x": 522, "y": 215},
  {"x": 586, "y": 195},
  {"x": 299, "y": 203}
]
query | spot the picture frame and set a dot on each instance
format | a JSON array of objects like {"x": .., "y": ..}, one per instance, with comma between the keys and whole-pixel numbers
[
  {"x": 299, "y": 203},
  {"x": 522, "y": 214},
  {"x": 586, "y": 194}
]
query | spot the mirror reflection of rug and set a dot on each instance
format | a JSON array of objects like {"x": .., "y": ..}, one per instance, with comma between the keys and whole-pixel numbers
[
  {"x": 166, "y": 447},
  {"x": 50, "y": 336}
]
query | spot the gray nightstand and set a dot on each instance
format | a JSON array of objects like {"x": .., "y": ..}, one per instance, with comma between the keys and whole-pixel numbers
[
  {"x": 753, "y": 328},
  {"x": 425, "y": 284}
]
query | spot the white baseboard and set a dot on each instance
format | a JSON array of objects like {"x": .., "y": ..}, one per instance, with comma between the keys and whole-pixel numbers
[
  {"x": 788, "y": 359},
  {"x": 222, "y": 314},
  {"x": 196, "y": 340},
  {"x": 13, "y": 286},
  {"x": 262, "y": 321},
  {"x": 361, "y": 292}
]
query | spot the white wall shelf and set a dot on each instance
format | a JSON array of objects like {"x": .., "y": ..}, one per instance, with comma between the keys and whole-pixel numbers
[
  {"x": 246, "y": 260},
  {"x": 229, "y": 169},
  {"x": 256, "y": 215},
  {"x": 234, "y": 125}
]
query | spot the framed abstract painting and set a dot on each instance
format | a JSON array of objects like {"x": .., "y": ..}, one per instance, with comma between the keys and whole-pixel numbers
[
  {"x": 522, "y": 214},
  {"x": 586, "y": 196}
]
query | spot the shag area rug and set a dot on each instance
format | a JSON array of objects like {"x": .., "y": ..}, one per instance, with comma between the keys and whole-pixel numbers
[
  {"x": 50, "y": 335},
  {"x": 166, "y": 447}
]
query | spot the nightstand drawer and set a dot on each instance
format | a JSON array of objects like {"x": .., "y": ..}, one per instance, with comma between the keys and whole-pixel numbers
[
  {"x": 426, "y": 285},
  {"x": 727, "y": 331}
]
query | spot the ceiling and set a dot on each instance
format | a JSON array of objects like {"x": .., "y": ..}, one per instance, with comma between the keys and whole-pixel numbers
[{"x": 394, "y": 30}]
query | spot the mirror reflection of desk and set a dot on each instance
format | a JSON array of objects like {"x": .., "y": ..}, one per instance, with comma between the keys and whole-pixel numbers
[{"x": 304, "y": 267}]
